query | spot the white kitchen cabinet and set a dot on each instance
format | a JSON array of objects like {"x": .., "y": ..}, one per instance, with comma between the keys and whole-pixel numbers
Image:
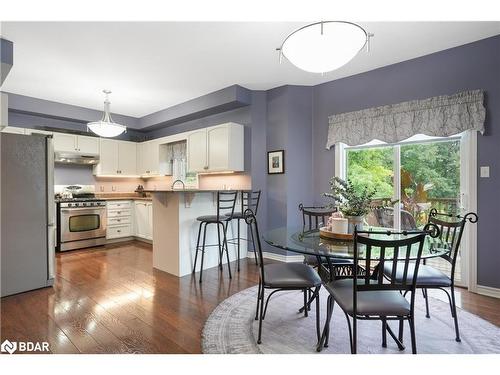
[
  {"x": 143, "y": 212},
  {"x": 87, "y": 145},
  {"x": 117, "y": 158},
  {"x": 217, "y": 149},
  {"x": 119, "y": 217},
  {"x": 150, "y": 220},
  {"x": 197, "y": 151},
  {"x": 108, "y": 161},
  {"x": 65, "y": 142},
  {"x": 75, "y": 143},
  {"x": 127, "y": 157},
  {"x": 148, "y": 163},
  {"x": 13, "y": 130}
]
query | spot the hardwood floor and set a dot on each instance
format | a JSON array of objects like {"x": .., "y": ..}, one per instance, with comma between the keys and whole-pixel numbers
[{"x": 111, "y": 300}]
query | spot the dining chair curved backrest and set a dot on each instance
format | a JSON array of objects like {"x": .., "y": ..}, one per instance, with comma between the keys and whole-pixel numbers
[
  {"x": 251, "y": 220},
  {"x": 384, "y": 217},
  {"x": 451, "y": 232},
  {"x": 403, "y": 254},
  {"x": 250, "y": 200},
  {"x": 226, "y": 200},
  {"x": 315, "y": 216}
]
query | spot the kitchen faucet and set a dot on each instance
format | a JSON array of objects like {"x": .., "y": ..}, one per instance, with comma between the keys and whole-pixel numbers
[{"x": 176, "y": 181}]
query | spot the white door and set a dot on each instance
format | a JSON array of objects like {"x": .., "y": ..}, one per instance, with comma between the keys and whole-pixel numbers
[
  {"x": 127, "y": 158},
  {"x": 65, "y": 142},
  {"x": 218, "y": 148},
  {"x": 141, "y": 165},
  {"x": 88, "y": 145},
  {"x": 141, "y": 219},
  {"x": 150, "y": 221},
  {"x": 197, "y": 151},
  {"x": 108, "y": 164}
]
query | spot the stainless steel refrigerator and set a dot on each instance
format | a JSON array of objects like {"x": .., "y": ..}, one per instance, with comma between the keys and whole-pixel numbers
[{"x": 27, "y": 213}]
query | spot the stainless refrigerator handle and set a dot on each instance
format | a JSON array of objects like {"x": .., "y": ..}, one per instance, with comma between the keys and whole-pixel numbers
[{"x": 51, "y": 209}]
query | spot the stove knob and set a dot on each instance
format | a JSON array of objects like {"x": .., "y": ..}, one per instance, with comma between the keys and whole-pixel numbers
[
  {"x": 84, "y": 204},
  {"x": 70, "y": 204}
]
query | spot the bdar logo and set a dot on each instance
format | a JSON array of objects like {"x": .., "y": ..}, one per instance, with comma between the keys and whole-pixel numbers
[{"x": 9, "y": 347}]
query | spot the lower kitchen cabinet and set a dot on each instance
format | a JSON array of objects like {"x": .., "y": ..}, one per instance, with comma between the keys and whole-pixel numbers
[
  {"x": 143, "y": 212},
  {"x": 119, "y": 216}
]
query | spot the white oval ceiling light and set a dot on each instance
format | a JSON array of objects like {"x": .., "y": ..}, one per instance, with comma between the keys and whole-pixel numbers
[
  {"x": 324, "y": 46},
  {"x": 106, "y": 127}
]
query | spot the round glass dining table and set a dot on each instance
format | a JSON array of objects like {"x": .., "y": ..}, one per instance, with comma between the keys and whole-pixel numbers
[{"x": 310, "y": 243}]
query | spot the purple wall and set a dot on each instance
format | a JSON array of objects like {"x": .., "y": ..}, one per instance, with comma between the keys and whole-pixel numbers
[
  {"x": 289, "y": 128},
  {"x": 472, "y": 66}
]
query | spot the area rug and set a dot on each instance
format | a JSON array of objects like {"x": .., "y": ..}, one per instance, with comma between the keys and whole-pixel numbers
[{"x": 231, "y": 328}]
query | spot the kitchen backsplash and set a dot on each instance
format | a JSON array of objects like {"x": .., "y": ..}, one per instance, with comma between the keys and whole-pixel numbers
[{"x": 65, "y": 175}]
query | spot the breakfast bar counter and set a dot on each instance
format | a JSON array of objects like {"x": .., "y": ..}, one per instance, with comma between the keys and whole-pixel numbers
[{"x": 175, "y": 230}]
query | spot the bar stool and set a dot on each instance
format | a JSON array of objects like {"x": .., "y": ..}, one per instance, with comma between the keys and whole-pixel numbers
[
  {"x": 249, "y": 200},
  {"x": 226, "y": 200}
]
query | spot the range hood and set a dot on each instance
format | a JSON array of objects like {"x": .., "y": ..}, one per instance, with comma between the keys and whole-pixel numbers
[{"x": 76, "y": 158}]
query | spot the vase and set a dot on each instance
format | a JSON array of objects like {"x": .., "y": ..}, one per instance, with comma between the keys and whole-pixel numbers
[{"x": 354, "y": 221}]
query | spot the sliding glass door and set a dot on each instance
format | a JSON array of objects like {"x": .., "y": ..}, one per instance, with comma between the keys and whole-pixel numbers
[{"x": 410, "y": 178}]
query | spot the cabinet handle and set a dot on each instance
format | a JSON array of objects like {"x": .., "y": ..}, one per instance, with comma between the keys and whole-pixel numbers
[
  {"x": 119, "y": 231},
  {"x": 119, "y": 220},
  {"x": 118, "y": 212}
]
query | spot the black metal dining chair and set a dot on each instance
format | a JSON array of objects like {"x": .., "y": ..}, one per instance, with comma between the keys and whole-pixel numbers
[
  {"x": 226, "y": 200},
  {"x": 249, "y": 199},
  {"x": 431, "y": 278},
  {"x": 282, "y": 276},
  {"x": 312, "y": 218},
  {"x": 367, "y": 295}
]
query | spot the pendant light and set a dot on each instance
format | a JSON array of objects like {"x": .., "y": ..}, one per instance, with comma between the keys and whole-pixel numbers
[
  {"x": 106, "y": 127},
  {"x": 324, "y": 46}
]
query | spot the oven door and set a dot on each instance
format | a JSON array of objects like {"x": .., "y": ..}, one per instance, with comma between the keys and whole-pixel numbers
[{"x": 82, "y": 223}]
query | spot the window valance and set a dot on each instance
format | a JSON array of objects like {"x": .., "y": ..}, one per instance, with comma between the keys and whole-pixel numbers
[{"x": 439, "y": 116}]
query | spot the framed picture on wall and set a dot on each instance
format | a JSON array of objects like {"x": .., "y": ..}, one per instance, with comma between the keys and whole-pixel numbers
[{"x": 276, "y": 162}]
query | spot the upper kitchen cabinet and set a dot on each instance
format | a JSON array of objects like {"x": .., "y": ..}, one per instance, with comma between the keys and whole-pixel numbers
[
  {"x": 88, "y": 145},
  {"x": 148, "y": 159},
  {"x": 117, "y": 158},
  {"x": 197, "y": 151},
  {"x": 75, "y": 143},
  {"x": 217, "y": 149},
  {"x": 65, "y": 142}
]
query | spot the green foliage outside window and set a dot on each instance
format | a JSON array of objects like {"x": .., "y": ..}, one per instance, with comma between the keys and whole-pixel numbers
[{"x": 430, "y": 175}]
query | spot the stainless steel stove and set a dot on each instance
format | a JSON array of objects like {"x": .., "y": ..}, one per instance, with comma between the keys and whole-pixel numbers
[{"x": 81, "y": 221}]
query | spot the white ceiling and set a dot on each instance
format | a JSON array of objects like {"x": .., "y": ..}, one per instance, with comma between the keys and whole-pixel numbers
[{"x": 151, "y": 66}]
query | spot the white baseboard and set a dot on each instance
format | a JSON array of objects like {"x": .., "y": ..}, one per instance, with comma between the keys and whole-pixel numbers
[
  {"x": 129, "y": 238},
  {"x": 279, "y": 257},
  {"x": 488, "y": 291}
]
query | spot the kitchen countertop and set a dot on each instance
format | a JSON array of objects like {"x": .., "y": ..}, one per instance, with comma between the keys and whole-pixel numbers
[{"x": 126, "y": 198}]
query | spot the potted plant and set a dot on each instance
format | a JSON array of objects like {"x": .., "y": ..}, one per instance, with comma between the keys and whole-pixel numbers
[{"x": 354, "y": 204}]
